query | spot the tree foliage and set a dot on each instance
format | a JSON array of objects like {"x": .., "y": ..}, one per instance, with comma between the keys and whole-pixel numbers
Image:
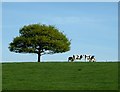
[{"x": 40, "y": 39}]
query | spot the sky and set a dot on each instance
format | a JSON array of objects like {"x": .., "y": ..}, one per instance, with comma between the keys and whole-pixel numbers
[{"x": 92, "y": 26}]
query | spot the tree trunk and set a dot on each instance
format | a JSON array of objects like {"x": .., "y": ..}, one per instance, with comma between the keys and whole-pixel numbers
[{"x": 39, "y": 55}]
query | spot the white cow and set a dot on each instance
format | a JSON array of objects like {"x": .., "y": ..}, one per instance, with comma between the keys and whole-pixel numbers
[
  {"x": 87, "y": 57},
  {"x": 90, "y": 58}
]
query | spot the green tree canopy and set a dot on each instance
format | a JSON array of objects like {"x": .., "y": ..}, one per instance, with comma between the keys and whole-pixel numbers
[{"x": 40, "y": 39}]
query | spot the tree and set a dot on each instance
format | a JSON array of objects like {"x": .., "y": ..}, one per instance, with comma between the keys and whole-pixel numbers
[{"x": 40, "y": 39}]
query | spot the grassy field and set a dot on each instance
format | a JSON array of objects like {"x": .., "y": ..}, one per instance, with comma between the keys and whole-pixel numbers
[{"x": 60, "y": 76}]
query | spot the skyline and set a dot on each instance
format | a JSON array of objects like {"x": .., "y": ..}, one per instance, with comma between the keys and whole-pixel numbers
[{"x": 93, "y": 28}]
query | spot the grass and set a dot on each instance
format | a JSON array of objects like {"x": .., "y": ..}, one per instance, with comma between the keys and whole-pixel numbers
[{"x": 60, "y": 76}]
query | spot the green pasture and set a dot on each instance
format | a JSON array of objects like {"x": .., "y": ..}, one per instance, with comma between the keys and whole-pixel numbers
[{"x": 60, "y": 76}]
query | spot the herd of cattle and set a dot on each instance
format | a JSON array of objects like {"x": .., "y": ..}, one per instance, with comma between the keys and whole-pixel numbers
[{"x": 89, "y": 58}]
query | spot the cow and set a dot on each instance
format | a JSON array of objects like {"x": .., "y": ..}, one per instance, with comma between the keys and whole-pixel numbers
[
  {"x": 70, "y": 59},
  {"x": 78, "y": 57},
  {"x": 92, "y": 59},
  {"x": 75, "y": 57},
  {"x": 87, "y": 57}
]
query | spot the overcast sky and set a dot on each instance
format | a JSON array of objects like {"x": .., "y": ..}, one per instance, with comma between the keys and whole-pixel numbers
[{"x": 93, "y": 28}]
